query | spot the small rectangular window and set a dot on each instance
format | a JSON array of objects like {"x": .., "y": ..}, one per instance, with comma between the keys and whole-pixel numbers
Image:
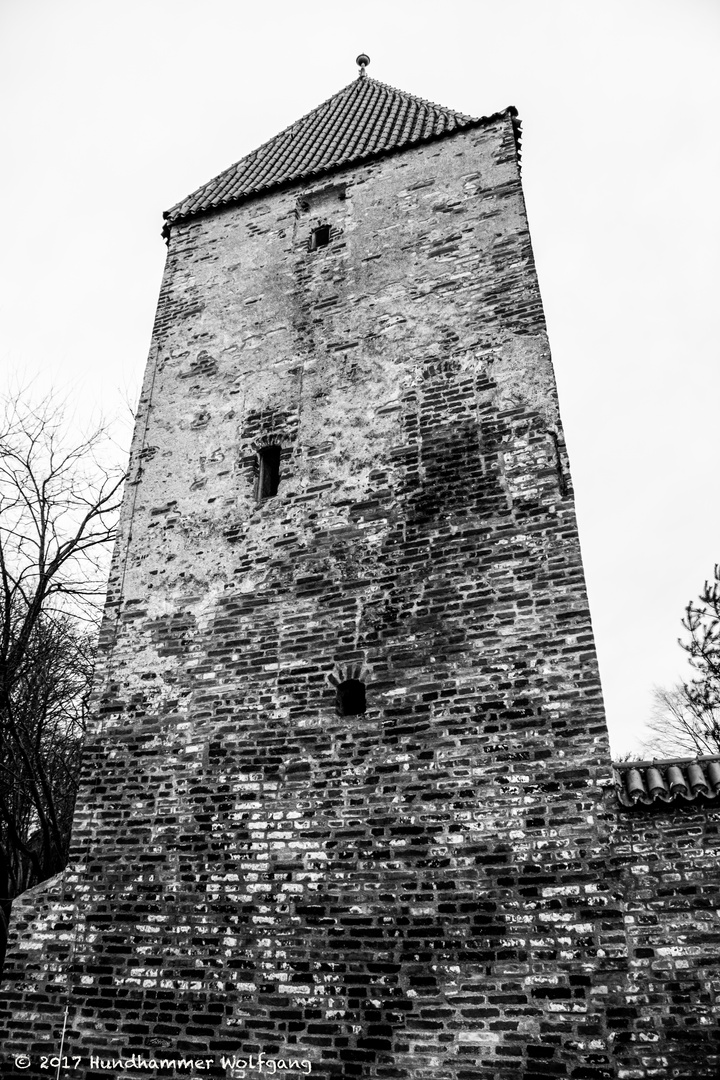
[
  {"x": 320, "y": 237},
  {"x": 350, "y": 699},
  {"x": 269, "y": 472}
]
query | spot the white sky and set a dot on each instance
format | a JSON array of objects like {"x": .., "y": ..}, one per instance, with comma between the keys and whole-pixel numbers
[{"x": 113, "y": 112}]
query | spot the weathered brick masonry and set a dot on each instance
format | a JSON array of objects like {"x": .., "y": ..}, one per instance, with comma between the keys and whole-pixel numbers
[
  {"x": 663, "y": 1016},
  {"x": 441, "y": 887}
]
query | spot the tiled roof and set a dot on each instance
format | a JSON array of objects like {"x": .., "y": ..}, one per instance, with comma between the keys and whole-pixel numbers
[
  {"x": 667, "y": 781},
  {"x": 364, "y": 119}
]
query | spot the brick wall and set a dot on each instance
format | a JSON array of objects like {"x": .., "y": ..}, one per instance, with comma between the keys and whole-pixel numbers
[
  {"x": 664, "y": 1009},
  {"x": 422, "y": 890}
]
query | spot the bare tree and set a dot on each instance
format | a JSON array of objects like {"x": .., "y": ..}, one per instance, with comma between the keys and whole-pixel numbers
[
  {"x": 40, "y": 748},
  {"x": 58, "y": 512},
  {"x": 686, "y": 718}
]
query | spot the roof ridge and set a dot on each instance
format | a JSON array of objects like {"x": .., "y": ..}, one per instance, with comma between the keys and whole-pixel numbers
[{"x": 654, "y": 762}]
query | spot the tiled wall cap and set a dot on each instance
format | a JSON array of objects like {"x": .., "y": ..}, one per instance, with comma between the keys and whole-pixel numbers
[{"x": 645, "y": 782}]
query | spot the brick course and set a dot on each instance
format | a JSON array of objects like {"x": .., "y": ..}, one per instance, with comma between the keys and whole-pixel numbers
[{"x": 441, "y": 888}]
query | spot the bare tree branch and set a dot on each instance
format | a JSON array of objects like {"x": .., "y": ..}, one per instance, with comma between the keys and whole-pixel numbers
[
  {"x": 686, "y": 718},
  {"x": 59, "y": 505}
]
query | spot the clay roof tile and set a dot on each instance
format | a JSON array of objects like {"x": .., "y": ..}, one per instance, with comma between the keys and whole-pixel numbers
[{"x": 713, "y": 774}]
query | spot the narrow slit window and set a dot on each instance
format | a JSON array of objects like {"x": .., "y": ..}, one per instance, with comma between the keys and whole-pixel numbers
[
  {"x": 351, "y": 698},
  {"x": 319, "y": 237},
  {"x": 268, "y": 472},
  {"x": 562, "y": 480}
]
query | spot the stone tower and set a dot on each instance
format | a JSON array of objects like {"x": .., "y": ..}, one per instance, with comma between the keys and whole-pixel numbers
[{"x": 342, "y": 804}]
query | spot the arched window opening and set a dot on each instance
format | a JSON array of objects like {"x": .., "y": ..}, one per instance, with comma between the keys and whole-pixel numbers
[
  {"x": 351, "y": 698},
  {"x": 268, "y": 472}
]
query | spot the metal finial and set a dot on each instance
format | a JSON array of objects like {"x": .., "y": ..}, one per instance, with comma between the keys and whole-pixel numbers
[{"x": 362, "y": 62}]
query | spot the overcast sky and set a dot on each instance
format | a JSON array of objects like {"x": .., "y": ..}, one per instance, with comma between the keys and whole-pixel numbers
[{"x": 113, "y": 112}]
